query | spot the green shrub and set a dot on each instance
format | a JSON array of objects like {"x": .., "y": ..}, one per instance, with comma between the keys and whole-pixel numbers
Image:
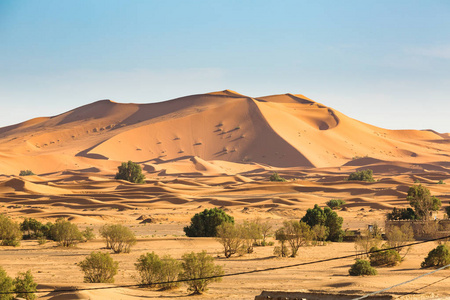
[
  {"x": 438, "y": 257},
  {"x": 88, "y": 234},
  {"x": 65, "y": 233},
  {"x": 199, "y": 265},
  {"x": 26, "y": 173},
  {"x": 118, "y": 237},
  {"x": 156, "y": 272},
  {"x": 362, "y": 267},
  {"x": 441, "y": 182},
  {"x": 99, "y": 267},
  {"x": 131, "y": 172},
  {"x": 6, "y": 286},
  {"x": 25, "y": 287},
  {"x": 328, "y": 218},
  {"x": 402, "y": 214},
  {"x": 447, "y": 210},
  {"x": 205, "y": 224},
  {"x": 230, "y": 236},
  {"x": 276, "y": 177},
  {"x": 32, "y": 227},
  {"x": 385, "y": 258},
  {"x": 420, "y": 199},
  {"x": 363, "y": 175},
  {"x": 10, "y": 233},
  {"x": 335, "y": 203}
]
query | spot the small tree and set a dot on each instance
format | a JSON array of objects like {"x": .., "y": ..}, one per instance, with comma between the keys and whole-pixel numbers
[
  {"x": 6, "y": 286},
  {"x": 10, "y": 233},
  {"x": 265, "y": 229},
  {"x": 171, "y": 269},
  {"x": 25, "y": 287},
  {"x": 420, "y": 199},
  {"x": 32, "y": 227},
  {"x": 281, "y": 237},
  {"x": 66, "y": 233},
  {"x": 204, "y": 224},
  {"x": 131, "y": 172},
  {"x": 363, "y": 175},
  {"x": 276, "y": 177},
  {"x": 118, "y": 237},
  {"x": 366, "y": 241},
  {"x": 320, "y": 233},
  {"x": 99, "y": 267},
  {"x": 438, "y": 257},
  {"x": 230, "y": 237},
  {"x": 197, "y": 266},
  {"x": 250, "y": 233},
  {"x": 298, "y": 234},
  {"x": 362, "y": 267},
  {"x": 88, "y": 234}
]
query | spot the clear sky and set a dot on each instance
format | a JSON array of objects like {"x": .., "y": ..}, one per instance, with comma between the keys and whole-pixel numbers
[{"x": 386, "y": 63}]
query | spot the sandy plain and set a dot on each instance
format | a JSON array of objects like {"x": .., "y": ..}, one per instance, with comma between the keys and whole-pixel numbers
[{"x": 215, "y": 150}]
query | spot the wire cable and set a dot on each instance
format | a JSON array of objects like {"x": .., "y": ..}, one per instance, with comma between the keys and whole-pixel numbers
[{"x": 232, "y": 274}]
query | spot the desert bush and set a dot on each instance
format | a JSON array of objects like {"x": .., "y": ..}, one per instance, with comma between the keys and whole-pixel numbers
[
  {"x": 24, "y": 286},
  {"x": 205, "y": 224},
  {"x": 196, "y": 266},
  {"x": 99, "y": 267},
  {"x": 156, "y": 272},
  {"x": 399, "y": 236},
  {"x": 10, "y": 233},
  {"x": 362, "y": 267},
  {"x": 276, "y": 177},
  {"x": 26, "y": 173},
  {"x": 441, "y": 182},
  {"x": 438, "y": 257},
  {"x": 335, "y": 203},
  {"x": 328, "y": 218},
  {"x": 420, "y": 199},
  {"x": 32, "y": 227},
  {"x": 118, "y": 237},
  {"x": 65, "y": 233},
  {"x": 384, "y": 258},
  {"x": 88, "y": 234},
  {"x": 6, "y": 286},
  {"x": 230, "y": 236},
  {"x": 131, "y": 172},
  {"x": 447, "y": 210},
  {"x": 363, "y": 175},
  {"x": 251, "y": 234},
  {"x": 281, "y": 237},
  {"x": 265, "y": 230},
  {"x": 401, "y": 214}
]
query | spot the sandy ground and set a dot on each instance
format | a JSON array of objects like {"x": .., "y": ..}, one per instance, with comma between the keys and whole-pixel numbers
[{"x": 214, "y": 150}]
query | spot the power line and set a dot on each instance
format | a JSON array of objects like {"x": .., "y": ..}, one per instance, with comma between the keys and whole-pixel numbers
[
  {"x": 425, "y": 286},
  {"x": 402, "y": 283},
  {"x": 237, "y": 273}
]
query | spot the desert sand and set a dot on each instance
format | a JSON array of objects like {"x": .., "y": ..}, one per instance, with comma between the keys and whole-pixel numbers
[{"x": 214, "y": 150}]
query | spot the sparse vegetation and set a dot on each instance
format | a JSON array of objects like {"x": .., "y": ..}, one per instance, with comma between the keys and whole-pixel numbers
[
  {"x": 118, "y": 237},
  {"x": 399, "y": 236},
  {"x": 157, "y": 272},
  {"x": 362, "y": 267},
  {"x": 10, "y": 233},
  {"x": 328, "y": 218},
  {"x": 420, "y": 199},
  {"x": 99, "y": 267},
  {"x": 131, "y": 172},
  {"x": 276, "y": 177},
  {"x": 230, "y": 237},
  {"x": 88, "y": 234},
  {"x": 6, "y": 286},
  {"x": 205, "y": 224},
  {"x": 438, "y": 257},
  {"x": 199, "y": 265},
  {"x": 368, "y": 240},
  {"x": 441, "y": 182},
  {"x": 335, "y": 203},
  {"x": 26, "y": 173},
  {"x": 363, "y": 175},
  {"x": 298, "y": 234}
]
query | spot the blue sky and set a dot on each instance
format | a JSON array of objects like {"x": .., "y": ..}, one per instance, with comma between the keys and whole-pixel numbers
[{"x": 386, "y": 63}]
